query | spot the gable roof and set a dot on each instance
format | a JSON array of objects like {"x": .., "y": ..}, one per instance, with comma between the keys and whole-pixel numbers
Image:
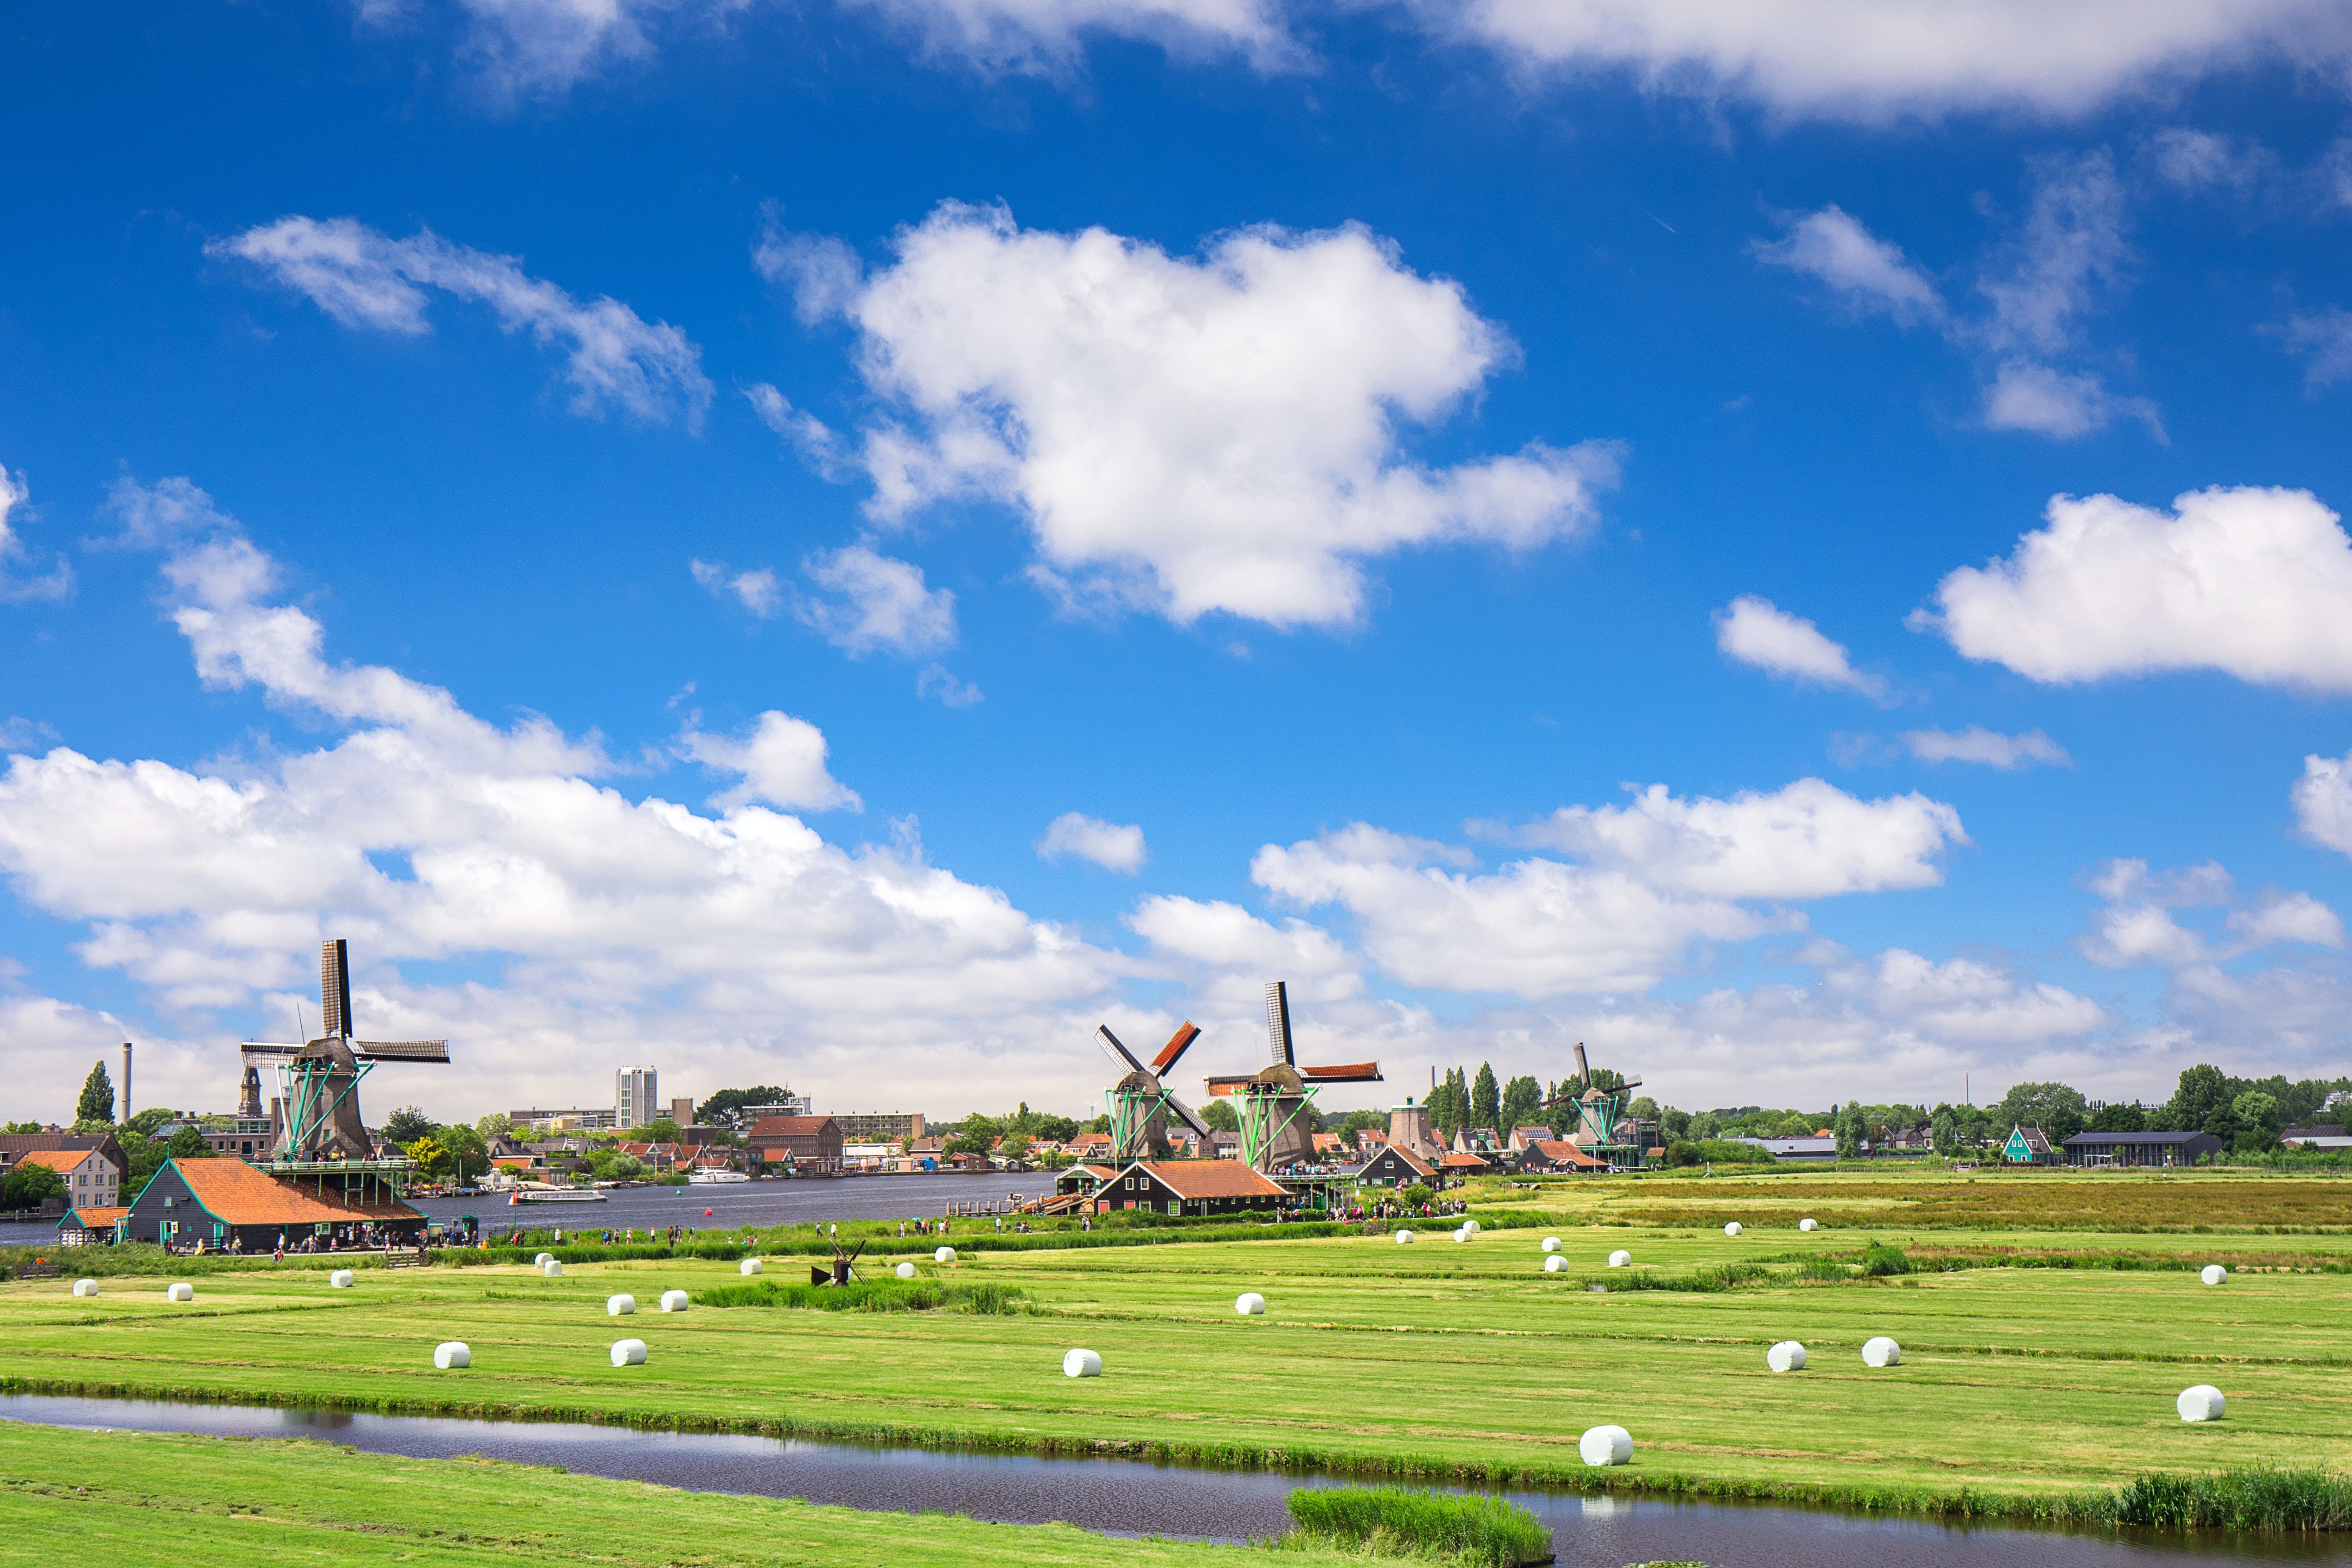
[
  {"x": 1407, "y": 1156},
  {"x": 234, "y": 1192},
  {"x": 1211, "y": 1179},
  {"x": 793, "y": 1126},
  {"x": 1561, "y": 1152},
  {"x": 64, "y": 1162},
  {"x": 1459, "y": 1160},
  {"x": 90, "y": 1217}
]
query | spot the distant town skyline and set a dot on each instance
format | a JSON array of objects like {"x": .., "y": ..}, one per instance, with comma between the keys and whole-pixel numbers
[{"x": 851, "y": 545}]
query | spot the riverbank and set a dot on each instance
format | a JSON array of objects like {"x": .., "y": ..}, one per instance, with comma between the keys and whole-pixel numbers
[{"x": 2016, "y": 1389}]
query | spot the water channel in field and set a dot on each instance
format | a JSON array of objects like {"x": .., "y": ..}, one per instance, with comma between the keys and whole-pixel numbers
[{"x": 1135, "y": 1498}]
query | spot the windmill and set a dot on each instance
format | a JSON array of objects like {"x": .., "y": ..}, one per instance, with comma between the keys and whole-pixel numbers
[
  {"x": 1140, "y": 1102},
  {"x": 321, "y": 1078},
  {"x": 1275, "y": 1133},
  {"x": 1598, "y": 1111},
  {"x": 840, "y": 1273}
]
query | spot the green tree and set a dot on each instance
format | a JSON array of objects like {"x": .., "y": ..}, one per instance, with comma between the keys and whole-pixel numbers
[
  {"x": 188, "y": 1144},
  {"x": 147, "y": 1123},
  {"x": 2119, "y": 1118},
  {"x": 97, "y": 1102},
  {"x": 30, "y": 1185},
  {"x": 1847, "y": 1129},
  {"x": 1705, "y": 1125},
  {"x": 2260, "y": 1122},
  {"x": 1219, "y": 1114},
  {"x": 1487, "y": 1099},
  {"x": 2202, "y": 1094},
  {"x": 725, "y": 1109},
  {"x": 660, "y": 1130},
  {"x": 21, "y": 1127},
  {"x": 1943, "y": 1130},
  {"x": 406, "y": 1125},
  {"x": 1016, "y": 1146},
  {"x": 2058, "y": 1109},
  {"x": 1522, "y": 1103},
  {"x": 1675, "y": 1124},
  {"x": 496, "y": 1124},
  {"x": 469, "y": 1154},
  {"x": 432, "y": 1157}
]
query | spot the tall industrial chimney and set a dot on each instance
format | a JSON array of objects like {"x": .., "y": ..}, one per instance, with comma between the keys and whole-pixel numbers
[{"x": 126, "y": 1082}]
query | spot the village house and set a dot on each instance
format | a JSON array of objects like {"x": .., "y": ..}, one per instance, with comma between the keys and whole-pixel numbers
[
  {"x": 89, "y": 1176},
  {"x": 1546, "y": 1154},
  {"x": 224, "y": 1202},
  {"x": 1395, "y": 1167},
  {"x": 1190, "y": 1187},
  {"x": 812, "y": 1143}
]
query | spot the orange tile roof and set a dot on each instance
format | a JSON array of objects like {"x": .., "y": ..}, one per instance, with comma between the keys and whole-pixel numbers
[
  {"x": 1211, "y": 1179},
  {"x": 1458, "y": 1161},
  {"x": 235, "y": 1193},
  {"x": 95, "y": 1216},
  {"x": 1565, "y": 1153},
  {"x": 62, "y": 1160}
]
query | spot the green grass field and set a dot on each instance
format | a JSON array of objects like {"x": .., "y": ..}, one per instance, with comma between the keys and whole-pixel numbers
[{"x": 1440, "y": 1360}]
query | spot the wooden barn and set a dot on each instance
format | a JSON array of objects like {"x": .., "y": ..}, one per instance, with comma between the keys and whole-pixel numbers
[
  {"x": 1191, "y": 1187},
  {"x": 224, "y": 1203}
]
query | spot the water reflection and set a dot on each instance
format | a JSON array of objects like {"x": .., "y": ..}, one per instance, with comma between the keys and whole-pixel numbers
[{"x": 1129, "y": 1498}]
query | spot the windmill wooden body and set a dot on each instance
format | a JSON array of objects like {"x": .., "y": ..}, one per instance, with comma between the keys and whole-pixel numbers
[
  {"x": 1598, "y": 1113},
  {"x": 319, "y": 1078},
  {"x": 1140, "y": 1102},
  {"x": 1271, "y": 1103}
]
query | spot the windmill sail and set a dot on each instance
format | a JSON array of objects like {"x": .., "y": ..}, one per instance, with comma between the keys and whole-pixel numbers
[
  {"x": 335, "y": 989},
  {"x": 1277, "y": 1024}
]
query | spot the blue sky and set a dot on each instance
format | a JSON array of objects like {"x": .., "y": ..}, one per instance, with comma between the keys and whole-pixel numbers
[{"x": 1792, "y": 543}]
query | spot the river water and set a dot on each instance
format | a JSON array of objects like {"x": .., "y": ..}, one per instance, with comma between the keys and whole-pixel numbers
[
  {"x": 1133, "y": 1498},
  {"x": 762, "y": 1203}
]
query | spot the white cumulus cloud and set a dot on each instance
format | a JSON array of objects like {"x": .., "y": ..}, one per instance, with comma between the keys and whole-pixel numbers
[
  {"x": 1112, "y": 846},
  {"x": 1190, "y": 435},
  {"x": 368, "y": 280},
  {"x": 1872, "y": 60},
  {"x": 1978, "y": 745},
  {"x": 869, "y": 602},
  {"x": 2136, "y": 926},
  {"x": 2256, "y": 583},
  {"x": 1757, "y": 632},
  {"x": 782, "y": 761},
  {"x": 1046, "y": 36},
  {"x": 1861, "y": 270},
  {"x": 1807, "y": 840},
  {"x": 758, "y": 590},
  {"x": 56, "y": 583},
  {"x": 2322, "y": 802}
]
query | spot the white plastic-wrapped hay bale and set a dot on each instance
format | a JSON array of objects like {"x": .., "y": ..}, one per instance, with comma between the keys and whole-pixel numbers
[
  {"x": 1606, "y": 1446},
  {"x": 675, "y": 1302},
  {"x": 2202, "y": 1402},
  {"x": 1881, "y": 1351},
  {"x": 1621, "y": 1258},
  {"x": 551, "y": 1268},
  {"x": 906, "y": 1271},
  {"x": 543, "y": 1260},
  {"x": 341, "y": 1279},
  {"x": 1555, "y": 1263},
  {"x": 1082, "y": 1364},
  {"x": 1461, "y": 1236},
  {"x": 1404, "y": 1239},
  {"x": 85, "y": 1288},
  {"x": 1552, "y": 1243},
  {"x": 1471, "y": 1225},
  {"x": 749, "y": 1265},
  {"x": 1732, "y": 1229},
  {"x": 451, "y": 1354},
  {"x": 944, "y": 1254},
  {"x": 628, "y": 1352},
  {"x": 1786, "y": 1356},
  {"x": 1249, "y": 1304},
  {"x": 1807, "y": 1223},
  {"x": 183, "y": 1291},
  {"x": 2212, "y": 1274},
  {"x": 620, "y": 1306}
]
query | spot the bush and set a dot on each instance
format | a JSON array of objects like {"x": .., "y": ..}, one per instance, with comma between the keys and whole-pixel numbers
[
  {"x": 875, "y": 1296},
  {"x": 1823, "y": 1268},
  {"x": 1882, "y": 1260},
  {"x": 1392, "y": 1520},
  {"x": 1417, "y": 1195}
]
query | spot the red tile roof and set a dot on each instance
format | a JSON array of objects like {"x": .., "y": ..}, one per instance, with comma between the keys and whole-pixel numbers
[
  {"x": 235, "y": 1193},
  {"x": 790, "y": 1126},
  {"x": 1561, "y": 1153},
  {"x": 94, "y": 1217},
  {"x": 1455, "y": 1160},
  {"x": 62, "y": 1160},
  {"x": 1211, "y": 1179}
]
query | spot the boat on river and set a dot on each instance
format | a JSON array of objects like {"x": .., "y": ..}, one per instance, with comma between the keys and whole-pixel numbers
[
  {"x": 555, "y": 1195},
  {"x": 715, "y": 1178}
]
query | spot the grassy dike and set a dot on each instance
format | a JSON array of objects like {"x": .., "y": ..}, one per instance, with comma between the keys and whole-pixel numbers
[
  {"x": 2019, "y": 1387},
  {"x": 120, "y": 1499}
]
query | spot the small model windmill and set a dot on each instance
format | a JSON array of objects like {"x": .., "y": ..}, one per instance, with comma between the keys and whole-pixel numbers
[
  {"x": 840, "y": 1273},
  {"x": 1598, "y": 1111},
  {"x": 1140, "y": 1102},
  {"x": 321, "y": 1079},
  {"x": 1274, "y": 1134}
]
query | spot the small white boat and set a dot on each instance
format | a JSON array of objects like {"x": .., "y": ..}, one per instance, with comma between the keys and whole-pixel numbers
[
  {"x": 557, "y": 1195},
  {"x": 715, "y": 1178}
]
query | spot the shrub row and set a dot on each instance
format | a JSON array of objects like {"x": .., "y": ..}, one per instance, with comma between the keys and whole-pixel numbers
[
  {"x": 1400, "y": 1521},
  {"x": 872, "y": 1296}
]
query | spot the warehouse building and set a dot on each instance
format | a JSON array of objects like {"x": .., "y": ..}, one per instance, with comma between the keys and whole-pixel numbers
[{"x": 2139, "y": 1149}]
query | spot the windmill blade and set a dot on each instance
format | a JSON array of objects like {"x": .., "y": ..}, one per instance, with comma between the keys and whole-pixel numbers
[
  {"x": 401, "y": 1050},
  {"x": 861, "y": 1247},
  {"x": 1277, "y": 1024},
  {"x": 1118, "y": 1053},
  {"x": 1624, "y": 1084},
  {"x": 1583, "y": 1069},
  {"x": 334, "y": 988},
  {"x": 1190, "y": 1119},
  {"x": 819, "y": 1276},
  {"x": 1178, "y": 1043}
]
